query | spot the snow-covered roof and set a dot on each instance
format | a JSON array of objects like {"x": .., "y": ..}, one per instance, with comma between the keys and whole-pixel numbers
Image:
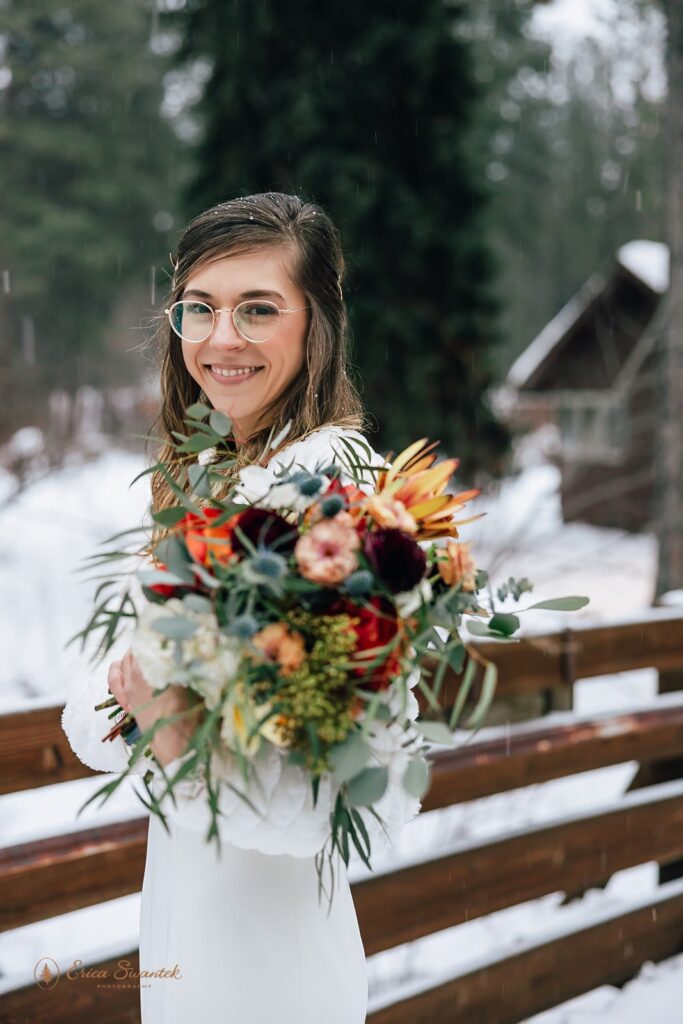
[
  {"x": 647, "y": 260},
  {"x": 535, "y": 354}
]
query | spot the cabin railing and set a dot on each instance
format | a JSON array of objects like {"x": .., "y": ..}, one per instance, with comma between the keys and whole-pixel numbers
[{"x": 47, "y": 877}]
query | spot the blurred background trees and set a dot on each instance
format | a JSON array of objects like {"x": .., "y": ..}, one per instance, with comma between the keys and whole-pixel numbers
[
  {"x": 368, "y": 110},
  {"x": 87, "y": 172},
  {"x": 476, "y": 179}
]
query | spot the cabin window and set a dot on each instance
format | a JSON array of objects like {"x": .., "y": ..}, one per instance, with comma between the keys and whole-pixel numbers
[{"x": 593, "y": 427}]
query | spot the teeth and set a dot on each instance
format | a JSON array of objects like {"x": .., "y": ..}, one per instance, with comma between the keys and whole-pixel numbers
[{"x": 241, "y": 372}]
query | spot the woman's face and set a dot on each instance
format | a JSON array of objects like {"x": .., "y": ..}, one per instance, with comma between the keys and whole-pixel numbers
[{"x": 271, "y": 365}]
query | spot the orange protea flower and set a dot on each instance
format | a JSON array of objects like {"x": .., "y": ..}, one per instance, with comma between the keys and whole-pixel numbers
[
  {"x": 414, "y": 480},
  {"x": 389, "y": 512},
  {"x": 280, "y": 644},
  {"x": 457, "y": 567}
]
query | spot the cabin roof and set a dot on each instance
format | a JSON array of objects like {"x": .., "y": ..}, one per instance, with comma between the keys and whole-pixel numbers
[{"x": 645, "y": 260}]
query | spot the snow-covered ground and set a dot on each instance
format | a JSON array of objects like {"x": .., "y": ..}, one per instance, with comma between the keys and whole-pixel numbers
[{"x": 46, "y": 531}]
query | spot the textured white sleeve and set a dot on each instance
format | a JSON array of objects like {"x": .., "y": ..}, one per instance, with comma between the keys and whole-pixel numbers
[
  {"x": 325, "y": 446},
  {"x": 87, "y": 686},
  {"x": 283, "y": 819},
  {"x": 393, "y": 746},
  {"x": 85, "y": 727}
]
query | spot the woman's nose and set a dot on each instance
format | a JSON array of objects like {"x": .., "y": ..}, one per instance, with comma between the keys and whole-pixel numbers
[{"x": 225, "y": 333}]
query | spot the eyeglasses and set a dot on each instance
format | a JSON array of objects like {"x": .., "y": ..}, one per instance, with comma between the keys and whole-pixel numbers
[{"x": 256, "y": 320}]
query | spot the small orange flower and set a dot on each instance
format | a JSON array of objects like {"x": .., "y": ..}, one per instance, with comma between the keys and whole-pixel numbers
[
  {"x": 458, "y": 566},
  {"x": 204, "y": 540},
  {"x": 279, "y": 644},
  {"x": 352, "y": 495},
  {"x": 327, "y": 553}
]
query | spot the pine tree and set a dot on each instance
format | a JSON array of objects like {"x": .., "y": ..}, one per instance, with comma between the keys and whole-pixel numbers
[
  {"x": 84, "y": 167},
  {"x": 369, "y": 109}
]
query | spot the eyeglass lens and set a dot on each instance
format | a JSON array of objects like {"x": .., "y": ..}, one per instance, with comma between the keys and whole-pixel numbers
[{"x": 256, "y": 320}]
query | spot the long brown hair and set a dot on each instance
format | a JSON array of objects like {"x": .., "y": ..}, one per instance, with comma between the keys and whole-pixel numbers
[{"x": 322, "y": 393}]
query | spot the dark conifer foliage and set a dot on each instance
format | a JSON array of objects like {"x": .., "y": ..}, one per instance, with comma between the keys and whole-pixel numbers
[{"x": 369, "y": 109}]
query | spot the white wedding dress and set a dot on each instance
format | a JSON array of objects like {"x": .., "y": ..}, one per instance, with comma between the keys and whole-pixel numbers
[{"x": 252, "y": 942}]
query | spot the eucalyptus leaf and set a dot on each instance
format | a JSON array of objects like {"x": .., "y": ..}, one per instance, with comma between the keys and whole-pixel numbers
[
  {"x": 196, "y": 443},
  {"x": 436, "y": 732},
  {"x": 169, "y": 516},
  {"x": 368, "y": 787},
  {"x": 482, "y": 629},
  {"x": 350, "y": 757},
  {"x": 504, "y": 622},
  {"x": 198, "y": 410},
  {"x": 151, "y": 577},
  {"x": 561, "y": 604},
  {"x": 219, "y": 422},
  {"x": 456, "y": 657},
  {"x": 463, "y": 692},
  {"x": 199, "y": 480},
  {"x": 416, "y": 777},
  {"x": 206, "y": 577},
  {"x": 177, "y": 627},
  {"x": 171, "y": 552},
  {"x": 488, "y": 688}
]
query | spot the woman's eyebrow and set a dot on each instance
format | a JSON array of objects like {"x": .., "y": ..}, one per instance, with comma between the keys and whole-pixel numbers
[{"x": 254, "y": 293}]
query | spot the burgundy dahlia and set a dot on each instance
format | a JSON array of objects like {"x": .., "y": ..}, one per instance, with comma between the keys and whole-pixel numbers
[
  {"x": 264, "y": 529},
  {"x": 397, "y": 560}
]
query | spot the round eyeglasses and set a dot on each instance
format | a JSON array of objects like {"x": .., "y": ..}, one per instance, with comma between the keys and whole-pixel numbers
[{"x": 257, "y": 320}]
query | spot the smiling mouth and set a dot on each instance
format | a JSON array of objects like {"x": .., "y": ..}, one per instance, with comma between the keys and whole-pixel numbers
[{"x": 235, "y": 373}]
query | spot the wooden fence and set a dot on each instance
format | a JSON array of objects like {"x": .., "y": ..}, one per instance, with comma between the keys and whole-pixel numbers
[{"x": 62, "y": 873}]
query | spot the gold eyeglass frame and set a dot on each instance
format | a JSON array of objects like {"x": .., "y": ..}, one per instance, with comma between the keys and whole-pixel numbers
[{"x": 233, "y": 310}]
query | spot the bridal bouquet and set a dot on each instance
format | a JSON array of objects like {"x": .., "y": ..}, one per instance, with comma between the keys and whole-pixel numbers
[{"x": 298, "y": 612}]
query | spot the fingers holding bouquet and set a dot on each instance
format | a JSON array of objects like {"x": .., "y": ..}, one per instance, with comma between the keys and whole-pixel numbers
[{"x": 117, "y": 685}]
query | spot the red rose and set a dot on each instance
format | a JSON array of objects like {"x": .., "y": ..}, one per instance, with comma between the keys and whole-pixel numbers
[{"x": 375, "y": 627}]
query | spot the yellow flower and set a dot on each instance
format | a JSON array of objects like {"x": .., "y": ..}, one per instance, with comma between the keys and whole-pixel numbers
[
  {"x": 414, "y": 480},
  {"x": 238, "y": 719},
  {"x": 274, "y": 729}
]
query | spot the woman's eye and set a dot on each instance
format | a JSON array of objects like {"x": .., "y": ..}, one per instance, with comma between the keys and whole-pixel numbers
[
  {"x": 258, "y": 310},
  {"x": 197, "y": 309}
]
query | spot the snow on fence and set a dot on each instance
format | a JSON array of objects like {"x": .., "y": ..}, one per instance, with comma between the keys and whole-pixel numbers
[{"x": 55, "y": 875}]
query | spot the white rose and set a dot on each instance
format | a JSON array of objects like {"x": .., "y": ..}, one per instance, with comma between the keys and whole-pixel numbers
[
  {"x": 258, "y": 486},
  {"x": 408, "y": 601},
  {"x": 212, "y": 676},
  {"x": 155, "y": 653}
]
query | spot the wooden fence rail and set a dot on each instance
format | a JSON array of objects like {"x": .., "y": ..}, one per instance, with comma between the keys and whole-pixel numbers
[{"x": 47, "y": 877}]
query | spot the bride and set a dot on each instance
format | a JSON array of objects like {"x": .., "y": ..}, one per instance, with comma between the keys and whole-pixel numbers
[{"x": 262, "y": 336}]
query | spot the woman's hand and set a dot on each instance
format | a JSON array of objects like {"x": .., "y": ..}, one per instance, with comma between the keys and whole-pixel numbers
[{"x": 135, "y": 695}]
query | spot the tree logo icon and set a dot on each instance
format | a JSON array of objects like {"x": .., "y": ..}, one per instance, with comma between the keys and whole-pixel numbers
[{"x": 46, "y": 972}]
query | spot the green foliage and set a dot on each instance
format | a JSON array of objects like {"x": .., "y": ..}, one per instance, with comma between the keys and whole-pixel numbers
[{"x": 86, "y": 162}]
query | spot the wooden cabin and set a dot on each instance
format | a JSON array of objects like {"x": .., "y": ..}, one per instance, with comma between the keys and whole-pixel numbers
[{"x": 592, "y": 372}]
